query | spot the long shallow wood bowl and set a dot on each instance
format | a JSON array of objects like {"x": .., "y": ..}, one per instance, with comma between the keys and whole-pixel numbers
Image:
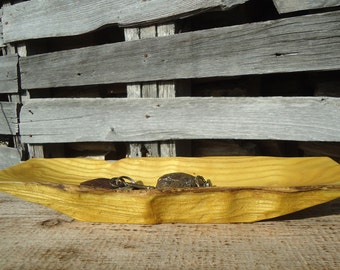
[{"x": 247, "y": 189}]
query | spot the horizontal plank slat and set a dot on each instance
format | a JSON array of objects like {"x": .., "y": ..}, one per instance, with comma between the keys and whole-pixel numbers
[
  {"x": 71, "y": 120},
  {"x": 8, "y": 74},
  {"x": 50, "y": 18},
  {"x": 285, "y": 6},
  {"x": 306, "y": 43},
  {"x": 8, "y": 118}
]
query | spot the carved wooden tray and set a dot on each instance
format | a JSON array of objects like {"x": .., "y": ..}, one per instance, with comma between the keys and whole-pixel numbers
[{"x": 246, "y": 189}]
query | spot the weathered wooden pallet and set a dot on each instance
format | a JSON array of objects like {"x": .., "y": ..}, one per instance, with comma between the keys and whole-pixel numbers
[
  {"x": 300, "y": 43},
  {"x": 305, "y": 43},
  {"x": 47, "y": 18}
]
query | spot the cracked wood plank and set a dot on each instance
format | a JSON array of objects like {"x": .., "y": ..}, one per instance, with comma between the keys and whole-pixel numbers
[
  {"x": 154, "y": 119},
  {"x": 48, "y": 18},
  {"x": 305, "y": 43},
  {"x": 8, "y": 74},
  {"x": 8, "y": 118},
  {"x": 285, "y": 6}
]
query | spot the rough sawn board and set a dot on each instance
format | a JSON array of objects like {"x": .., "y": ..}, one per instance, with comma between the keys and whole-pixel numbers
[
  {"x": 306, "y": 43},
  {"x": 8, "y": 74},
  {"x": 9, "y": 157},
  {"x": 35, "y": 237},
  {"x": 150, "y": 119},
  {"x": 8, "y": 118},
  {"x": 285, "y": 6},
  {"x": 48, "y": 18}
]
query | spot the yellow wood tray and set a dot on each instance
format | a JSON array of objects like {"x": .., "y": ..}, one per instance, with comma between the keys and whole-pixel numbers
[{"x": 247, "y": 189}]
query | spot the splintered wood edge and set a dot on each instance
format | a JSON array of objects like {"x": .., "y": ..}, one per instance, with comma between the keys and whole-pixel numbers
[{"x": 177, "y": 191}]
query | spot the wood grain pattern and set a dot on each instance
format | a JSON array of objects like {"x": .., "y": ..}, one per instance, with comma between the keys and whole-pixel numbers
[
  {"x": 247, "y": 189},
  {"x": 144, "y": 90},
  {"x": 1, "y": 31},
  {"x": 35, "y": 237},
  {"x": 133, "y": 90},
  {"x": 285, "y": 6},
  {"x": 8, "y": 118},
  {"x": 72, "y": 120},
  {"x": 34, "y": 151},
  {"x": 49, "y": 18},
  {"x": 167, "y": 89},
  {"x": 161, "y": 90},
  {"x": 8, "y": 74},
  {"x": 9, "y": 157},
  {"x": 303, "y": 43}
]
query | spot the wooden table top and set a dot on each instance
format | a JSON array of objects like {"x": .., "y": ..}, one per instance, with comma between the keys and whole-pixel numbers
[{"x": 36, "y": 237}]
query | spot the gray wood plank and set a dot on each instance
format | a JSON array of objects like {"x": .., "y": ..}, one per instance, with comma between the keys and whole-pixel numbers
[
  {"x": 34, "y": 151},
  {"x": 8, "y": 157},
  {"x": 8, "y": 74},
  {"x": 151, "y": 119},
  {"x": 306, "y": 43},
  {"x": 285, "y": 6},
  {"x": 49, "y": 18},
  {"x": 8, "y": 118},
  {"x": 167, "y": 90},
  {"x": 36, "y": 237},
  {"x": 162, "y": 90},
  {"x": 149, "y": 90},
  {"x": 1, "y": 31},
  {"x": 133, "y": 90}
]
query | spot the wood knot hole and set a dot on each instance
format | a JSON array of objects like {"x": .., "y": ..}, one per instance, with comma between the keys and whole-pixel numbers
[{"x": 51, "y": 222}]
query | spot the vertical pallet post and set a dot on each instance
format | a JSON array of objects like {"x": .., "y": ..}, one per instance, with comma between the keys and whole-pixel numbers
[
  {"x": 34, "y": 151},
  {"x": 166, "y": 90},
  {"x": 21, "y": 50},
  {"x": 133, "y": 90},
  {"x": 9, "y": 49},
  {"x": 151, "y": 90}
]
